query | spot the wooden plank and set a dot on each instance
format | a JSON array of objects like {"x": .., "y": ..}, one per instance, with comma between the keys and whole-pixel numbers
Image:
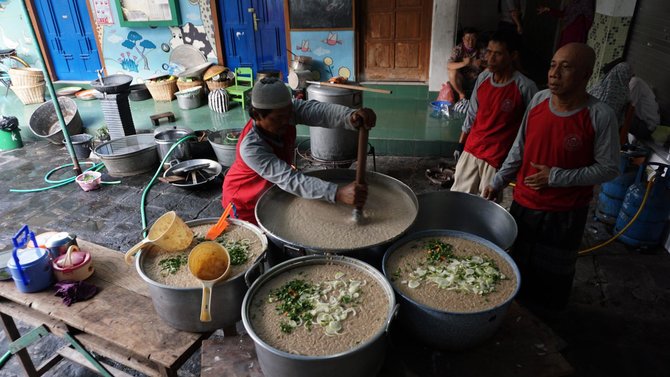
[
  {"x": 78, "y": 358},
  {"x": 109, "y": 268},
  {"x": 121, "y": 312},
  {"x": 523, "y": 346}
]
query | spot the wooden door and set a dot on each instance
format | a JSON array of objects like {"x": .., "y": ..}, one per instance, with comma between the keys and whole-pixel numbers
[
  {"x": 66, "y": 28},
  {"x": 397, "y": 40},
  {"x": 254, "y": 34}
]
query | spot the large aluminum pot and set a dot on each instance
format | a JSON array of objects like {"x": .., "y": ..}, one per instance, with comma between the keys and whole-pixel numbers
[
  {"x": 129, "y": 155},
  {"x": 180, "y": 307},
  {"x": 362, "y": 361},
  {"x": 467, "y": 213},
  {"x": 334, "y": 144},
  {"x": 266, "y": 210},
  {"x": 450, "y": 330}
]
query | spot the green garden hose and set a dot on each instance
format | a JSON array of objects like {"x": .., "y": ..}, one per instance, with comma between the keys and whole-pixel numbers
[{"x": 63, "y": 182}]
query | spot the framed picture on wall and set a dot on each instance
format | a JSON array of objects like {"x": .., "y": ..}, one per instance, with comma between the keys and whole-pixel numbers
[
  {"x": 138, "y": 13},
  {"x": 321, "y": 14}
]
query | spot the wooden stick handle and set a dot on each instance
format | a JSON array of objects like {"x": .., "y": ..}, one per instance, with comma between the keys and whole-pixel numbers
[
  {"x": 362, "y": 154},
  {"x": 354, "y": 87}
]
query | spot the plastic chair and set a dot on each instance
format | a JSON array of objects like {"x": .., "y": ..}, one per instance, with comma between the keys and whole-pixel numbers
[{"x": 244, "y": 82}]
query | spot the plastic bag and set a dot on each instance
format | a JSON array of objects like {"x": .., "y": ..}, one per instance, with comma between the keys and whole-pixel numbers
[{"x": 446, "y": 93}]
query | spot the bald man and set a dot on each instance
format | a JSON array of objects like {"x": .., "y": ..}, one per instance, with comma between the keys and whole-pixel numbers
[{"x": 567, "y": 143}]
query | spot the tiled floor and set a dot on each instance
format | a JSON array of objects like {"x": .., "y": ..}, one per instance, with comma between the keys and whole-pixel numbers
[{"x": 405, "y": 125}]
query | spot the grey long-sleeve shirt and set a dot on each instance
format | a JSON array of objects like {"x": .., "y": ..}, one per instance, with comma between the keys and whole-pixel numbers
[
  {"x": 256, "y": 150},
  {"x": 605, "y": 148}
]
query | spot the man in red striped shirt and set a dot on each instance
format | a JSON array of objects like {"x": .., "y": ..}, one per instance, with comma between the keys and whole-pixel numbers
[
  {"x": 568, "y": 142},
  {"x": 496, "y": 108}
]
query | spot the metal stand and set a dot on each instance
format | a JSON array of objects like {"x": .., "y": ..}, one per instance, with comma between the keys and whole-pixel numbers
[{"x": 303, "y": 154}]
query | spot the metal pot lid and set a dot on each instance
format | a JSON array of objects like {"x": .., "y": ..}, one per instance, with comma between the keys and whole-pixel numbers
[
  {"x": 204, "y": 171},
  {"x": 60, "y": 239},
  {"x": 125, "y": 146}
]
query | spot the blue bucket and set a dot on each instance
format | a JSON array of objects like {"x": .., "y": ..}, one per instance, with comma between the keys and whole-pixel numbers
[{"x": 30, "y": 267}]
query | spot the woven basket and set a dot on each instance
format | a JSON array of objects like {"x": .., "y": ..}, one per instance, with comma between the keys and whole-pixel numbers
[
  {"x": 214, "y": 85},
  {"x": 30, "y": 94},
  {"x": 26, "y": 76},
  {"x": 183, "y": 85},
  {"x": 162, "y": 90}
]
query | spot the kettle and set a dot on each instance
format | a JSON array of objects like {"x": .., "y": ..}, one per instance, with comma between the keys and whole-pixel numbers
[{"x": 30, "y": 267}]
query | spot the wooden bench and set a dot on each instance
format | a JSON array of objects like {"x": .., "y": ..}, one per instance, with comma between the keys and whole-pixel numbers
[
  {"x": 523, "y": 346},
  {"x": 155, "y": 119},
  {"x": 119, "y": 322}
]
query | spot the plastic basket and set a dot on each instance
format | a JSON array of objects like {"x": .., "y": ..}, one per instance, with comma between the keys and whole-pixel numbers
[
  {"x": 26, "y": 76},
  {"x": 30, "y": 94},
  {"x": 162, "y": 90}
]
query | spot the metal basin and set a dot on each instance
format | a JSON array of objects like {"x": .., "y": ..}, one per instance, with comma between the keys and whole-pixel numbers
[
  {"x": 130, "y": 155},
  {"x": 268, "y": 205},
  {"x": 113, "y": 84},
  {"x": 443, "y": 329},
  {"x": 467, "y": 213}
]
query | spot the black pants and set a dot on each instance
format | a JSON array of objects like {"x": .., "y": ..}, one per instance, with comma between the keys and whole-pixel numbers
[{"x": 545, "y": 251}]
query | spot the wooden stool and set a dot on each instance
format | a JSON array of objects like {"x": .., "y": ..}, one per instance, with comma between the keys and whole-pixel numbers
[{"x": 155, "y": 119}]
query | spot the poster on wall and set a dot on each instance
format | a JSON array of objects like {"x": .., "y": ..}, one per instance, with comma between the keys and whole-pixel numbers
[
  {"x": 103, "y": 12},
  {"x": 332, "y": 52}
]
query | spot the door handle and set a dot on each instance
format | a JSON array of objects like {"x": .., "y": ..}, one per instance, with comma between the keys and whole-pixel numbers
[
  {"x": 253, "y": 16},
  {"x": 239, "y": 34}
]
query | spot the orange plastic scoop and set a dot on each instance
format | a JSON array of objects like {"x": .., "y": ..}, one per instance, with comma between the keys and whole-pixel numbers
[
  {"x": 220, "y": 225},
  {"x": 209, "y": 262}
]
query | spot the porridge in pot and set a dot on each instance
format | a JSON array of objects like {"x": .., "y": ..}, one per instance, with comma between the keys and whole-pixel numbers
[
  {"x": 451, "y": 274},
  {"x": 319, "y": 310},
  {"x": 171, "y": 268},
  {"x": 316, "y": 223}
]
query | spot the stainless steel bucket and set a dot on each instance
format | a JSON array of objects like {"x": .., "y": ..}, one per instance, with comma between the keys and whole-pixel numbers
[
  {"x": 362, "y": 361},
  {"x": 447, "y": 330},
  {"x": 167, "y": 137},
  {"x": 180, "y": 307}
]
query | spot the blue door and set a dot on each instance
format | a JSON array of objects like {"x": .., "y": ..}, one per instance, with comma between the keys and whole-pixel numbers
[
  {"x": 66, "y": 29},
  {"x": 254, "y": 34}
]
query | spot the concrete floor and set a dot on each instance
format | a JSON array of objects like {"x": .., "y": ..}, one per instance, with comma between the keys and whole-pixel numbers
[{"x": 617, "y": 323}]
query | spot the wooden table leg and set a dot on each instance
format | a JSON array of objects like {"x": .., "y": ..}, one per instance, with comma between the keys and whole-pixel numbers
[{"x": 13, "y": 334}]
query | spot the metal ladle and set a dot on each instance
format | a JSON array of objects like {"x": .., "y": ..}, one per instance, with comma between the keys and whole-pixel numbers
[{"x": 209, "y": 262}]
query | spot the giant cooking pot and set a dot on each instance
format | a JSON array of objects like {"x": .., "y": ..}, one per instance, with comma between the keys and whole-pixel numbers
[
  {"x": 273, "y": 204},
  {"x": 180, "y": 307},
  {"x": 467, "y": 213},
  {"x": 449, "y": 330}
]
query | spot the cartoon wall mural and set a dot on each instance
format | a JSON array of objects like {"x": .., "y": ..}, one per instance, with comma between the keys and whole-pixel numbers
[
  {"x": 146, "y": 52},
  {"x": 332, "y": 52},
  {"x": 134, "y": 41},
  {"x": 192, "y": 35}
]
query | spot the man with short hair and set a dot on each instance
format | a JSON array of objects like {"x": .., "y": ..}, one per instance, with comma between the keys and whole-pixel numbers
[
  {"x": 496, "y": 108},
  {"x": 264, "y": 152},
  {"x": 568, "y": 142},
  {"x": 465, "y": 63}
]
